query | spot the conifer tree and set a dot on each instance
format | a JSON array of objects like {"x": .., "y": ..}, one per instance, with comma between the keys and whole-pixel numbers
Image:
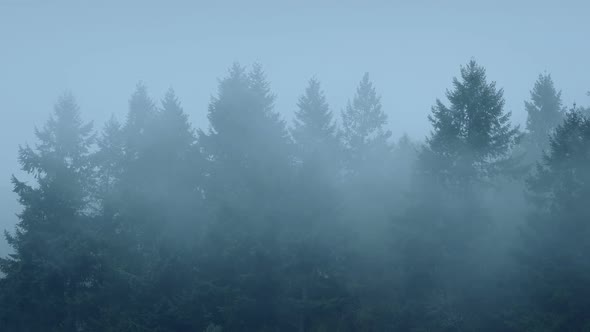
[
  {"x": 50, "y": 278},
  {"x": 363, "y": 121},
  {"x": 544, "y": 113},
  {"x": 316, "y": 290},
  {"x": 555, "y": 239},
  {"x": 249, "y": 157},
  {"x": 176, "y": 169},
  {"x": 139, "y": 116},
  {"x": 471, "y": 138},
  {"x": 442, "y": 231},
  {"x": 109, "y": 161},
  {"x": 314, "y": 130}
]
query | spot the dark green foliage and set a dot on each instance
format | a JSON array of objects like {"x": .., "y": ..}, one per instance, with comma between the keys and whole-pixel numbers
[
  {"x": 314, "y": 259},
  {"x": 249, "y": 156},
  {"x": 556, "y": 272},
  {"x": 49, "y": 280},
  {"x": 443, "y": 236},
  {"x": 471, "y": 138},
  {"x": 251, "y": 226},
  {"x": 314, "y": 129}
]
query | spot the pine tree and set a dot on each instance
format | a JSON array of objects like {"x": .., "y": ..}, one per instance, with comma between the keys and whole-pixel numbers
[
  {"x": 247, "y": 143},
  {"x": 316, "y": 294},
  {"x": 545, "y": 112},
  {"x": 366, "y": 199},
  {"x": 318, "y": 156},
  {"x": 152, "y": 226},
  {"x": 363, "y": 122},
  {"x": 314, "y": 130},
  {"x": 109, "y": 160},
  {"x": 368, "y": 155},
  {"x": 249, "y": 157},
  {"x": 175, "y": 171},
  {"x": 555, "y": 241},
  {"x": 472, "y": 137},
  {"x": 50, "y": 278},
  {"x": 141, "y": 112},
  {"x": 440, "y": 237}
]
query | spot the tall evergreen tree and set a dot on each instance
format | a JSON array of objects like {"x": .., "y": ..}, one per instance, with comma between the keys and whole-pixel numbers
[
  {"x": 442, "y": 233},
  {"x": 314, "y": 130},
  {"x": 316, "y": 292},
  {"x": 249, "y": 167},
  {"x": 472, "y": 137},
  {"x": 544, "y": 113},
  {"x": 50, "y": 278},
  {"x": 109, "y": 162},
  {"x": 556, "y": 272},
  {"x": 173, "y": 160},
  {"x": 156, "y": 213},
  {"x": 363, "y": 121},
  {"x": 367, "y": 194},
  {"x": 135, "y": 211},
  {"x": 140, "y": 114}
]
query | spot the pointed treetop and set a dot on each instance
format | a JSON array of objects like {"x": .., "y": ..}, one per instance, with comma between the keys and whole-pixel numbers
[
  {"x": 473, "y": 136},
  {"x": 173, "y": 120},
  {"x": 260, "y": 86},
  {"x": 112, "y": 126},
  {"x": 170, "y": 103},
  {"x": 545, "y": 109},
  {"x": 363, "y": 119},
  {"x": 313, "y": 127},
  {"x": 65, "y": 132},
  {"x": 141, "y": 108},
  {"x": 313, "y": 111}
]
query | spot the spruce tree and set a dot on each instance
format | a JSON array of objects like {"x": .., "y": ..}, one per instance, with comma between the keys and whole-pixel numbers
[
  {"x": 555, "y": 268},
  {"x": 471, "y": 138},
  {"x": 442, "y": 233},
  {"x": 152, "y": 214},
  {"x": 314, "y": 130},
  {"x": 544, "y": 113},
  {"x": 366, "y": 197},
  {"x": 109, "y": 161},
  {"x": 249, "y": 157},
  {"x": 139, "y": 116},
  {"x": 50, "y": 279},
  {"x": 364, "y": 134},
  {"x": 316, "y": 292}
]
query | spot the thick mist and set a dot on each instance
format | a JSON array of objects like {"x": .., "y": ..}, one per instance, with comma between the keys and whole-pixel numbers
[{"x": 294, "y": 167}]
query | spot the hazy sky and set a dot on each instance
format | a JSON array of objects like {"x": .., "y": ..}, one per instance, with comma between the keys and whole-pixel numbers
[{"x": 99, "y": 50}]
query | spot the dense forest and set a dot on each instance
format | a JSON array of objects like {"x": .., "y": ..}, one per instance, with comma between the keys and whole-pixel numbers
[{"x": 329, "y": 223}]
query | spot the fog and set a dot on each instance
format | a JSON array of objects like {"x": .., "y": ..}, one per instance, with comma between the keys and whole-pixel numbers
[{"x": 384, "y": 200}]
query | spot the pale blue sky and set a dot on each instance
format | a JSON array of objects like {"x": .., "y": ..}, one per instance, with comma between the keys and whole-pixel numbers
[{"x": 99, "y": 50}]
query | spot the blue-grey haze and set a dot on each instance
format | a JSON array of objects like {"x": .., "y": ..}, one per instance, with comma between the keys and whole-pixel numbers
[{"x": 99, "y": 50}]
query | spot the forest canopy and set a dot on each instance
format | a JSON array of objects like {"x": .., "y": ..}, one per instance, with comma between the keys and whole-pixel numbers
[{"x": 329, "y": 222}]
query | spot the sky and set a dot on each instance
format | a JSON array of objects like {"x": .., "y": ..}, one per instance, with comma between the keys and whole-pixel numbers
[{"x": 99, "y": 50}]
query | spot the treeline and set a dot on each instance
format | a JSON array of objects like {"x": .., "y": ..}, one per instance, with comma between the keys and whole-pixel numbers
[{"x": 324, "y": 224}]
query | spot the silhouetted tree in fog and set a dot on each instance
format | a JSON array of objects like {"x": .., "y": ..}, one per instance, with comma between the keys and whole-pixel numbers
[
  {"x": 50, "y": 280},
  {"x": 556, "y": 274},
  {"x": 472, "y": 138},
  {"x": 313, "y": 254},
  {"x": 251, "y": 225},
  {"x": 250, "y": 158},
  {"x": 544, "y": 113},
  {"x": 470, "y": 145},
  {"x": 363, "y": 127}
]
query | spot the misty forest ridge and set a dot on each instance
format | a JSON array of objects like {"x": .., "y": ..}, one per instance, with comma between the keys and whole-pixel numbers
[{"x": 326, "y": 223}]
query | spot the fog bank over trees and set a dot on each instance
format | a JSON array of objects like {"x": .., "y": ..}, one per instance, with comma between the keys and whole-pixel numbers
[
  {"x": 328, "y": 222},
  {"x": 294, "y": 166}
]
